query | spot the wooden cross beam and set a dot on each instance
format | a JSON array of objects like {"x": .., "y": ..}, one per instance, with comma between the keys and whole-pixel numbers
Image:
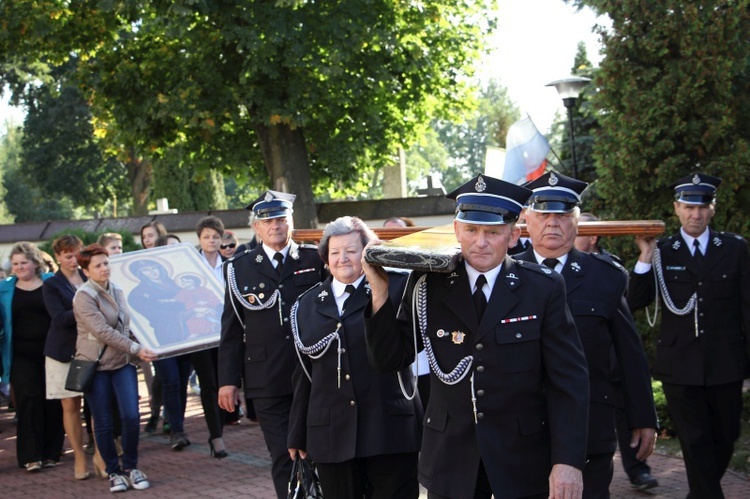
[{"x": 435, "y": 248}]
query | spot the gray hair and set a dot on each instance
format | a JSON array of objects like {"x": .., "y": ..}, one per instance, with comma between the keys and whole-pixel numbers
[{"x": 341, "y": 227}]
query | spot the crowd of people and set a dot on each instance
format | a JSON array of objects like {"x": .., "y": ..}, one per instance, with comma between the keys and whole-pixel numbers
[{"x": 532, "y": 362}]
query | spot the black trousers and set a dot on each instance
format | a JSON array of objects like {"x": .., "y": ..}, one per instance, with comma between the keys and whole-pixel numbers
[
  {"x": 597, "y": 475},
  {"x": 205, "y": 362},
  {"x": 632, "y": 466},
  {"x": 707, "y": 419},
  {"x": 388, "y": 476},
  {"x": 39, "y": 431},
  {"x": 273, "y": 414}
]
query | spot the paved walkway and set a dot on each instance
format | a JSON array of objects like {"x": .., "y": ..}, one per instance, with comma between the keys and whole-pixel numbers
[{"x": 192, "y": 473}]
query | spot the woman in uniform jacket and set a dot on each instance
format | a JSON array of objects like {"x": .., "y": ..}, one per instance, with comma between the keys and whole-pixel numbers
[{"x": 358, "y": 425}]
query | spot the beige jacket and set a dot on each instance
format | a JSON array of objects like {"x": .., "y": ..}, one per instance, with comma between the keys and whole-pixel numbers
[{"x": 103, "y": 320}]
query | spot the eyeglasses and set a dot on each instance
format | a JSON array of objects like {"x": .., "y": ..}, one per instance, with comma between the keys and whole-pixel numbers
[{"x": 230, "y": 245}]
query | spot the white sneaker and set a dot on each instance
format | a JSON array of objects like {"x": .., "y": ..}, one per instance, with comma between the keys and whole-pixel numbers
[
  {"x": 117, "y": 483},
  {"x": 138, "y": 480}
]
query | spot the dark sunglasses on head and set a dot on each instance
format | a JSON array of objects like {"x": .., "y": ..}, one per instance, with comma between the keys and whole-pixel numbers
[{"x": 230, "y": 245}]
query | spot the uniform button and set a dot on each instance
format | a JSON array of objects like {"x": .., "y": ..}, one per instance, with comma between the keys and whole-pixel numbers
[
  {"x": 701, "y": 314},
  {"x": 338, "y": 325},
  {"x": 700, "y": 299},
  {"x": 479, "y": 346},
  {"x": 429, "y": 420},
  {"x": 343, "y": 350},
  {"x": 347, "y": 377},
  {"x": 480, "y": 393},
  {"x": 518, "y": 335},
  {"x": 480, "y": 415},
  {"x": 700, "y": 284},
  {"x": 286, "y": 319},
  {"x": 286, "y": 337},
  {"x": 352, "y": 403},
  {"x": 480, "y": 369},
  {"x": 281, "y": 286}
]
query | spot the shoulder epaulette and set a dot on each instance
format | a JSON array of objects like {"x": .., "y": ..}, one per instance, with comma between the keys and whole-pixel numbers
[
  {"x": 731, "y": 235},
  {"x": 608, "y": 260},
  {"x": 396, "y": 271},
  {"x": 317, "y": 284},
  {"x": 539, "y": 269},
  {"x": 237, "y": 256}
]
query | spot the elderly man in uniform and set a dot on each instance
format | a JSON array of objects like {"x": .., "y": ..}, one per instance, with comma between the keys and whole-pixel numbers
[
  {"x": 257, "y": 348},
  {"x": 702, "y": 352},
  {"x": 596, "y": 287},
  {"x": 509, "y": 399}
]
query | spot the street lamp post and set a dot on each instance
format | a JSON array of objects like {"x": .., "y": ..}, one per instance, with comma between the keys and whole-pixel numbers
[{"x": 569, "y": 89}]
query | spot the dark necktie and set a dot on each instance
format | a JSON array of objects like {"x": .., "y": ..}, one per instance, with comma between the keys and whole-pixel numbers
[
  {"x": 697, "y": 253},
  {"x": 279, "y": 258},
  {"x": 480, "y": 300},
  {"x": 550, "y": 262},
  {"x": 348, "y": 289}
]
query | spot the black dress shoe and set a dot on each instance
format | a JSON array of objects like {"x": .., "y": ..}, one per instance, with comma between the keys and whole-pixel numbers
[
  {"x": 179, "y": 441},
  {"x": 644, "y": 481}
]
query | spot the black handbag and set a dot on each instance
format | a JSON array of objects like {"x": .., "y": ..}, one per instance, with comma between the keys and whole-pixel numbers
[
  {"x": 304, "y": 482},
  {"x": 81, "y": 373}
]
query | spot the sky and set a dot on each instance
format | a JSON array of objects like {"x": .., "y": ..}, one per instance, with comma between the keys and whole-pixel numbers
[{"x": 535, "y": 44}]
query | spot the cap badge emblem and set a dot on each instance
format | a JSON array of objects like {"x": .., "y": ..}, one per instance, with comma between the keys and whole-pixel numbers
[
  {"x": 480, "y": 185},
  {"x": 717, "y": 241},
  {"x": 511, "y": 276},
  {"x": 553, "y": 180},
  {"x": 457, "y": 337},
  {"x": 696, "y": 179},
  {"x": 575, "y": 266},
  {"x": 322, "y": 295},
  {"x": 259, "y": 258},
  {"x": 269, "y": 197},
  {"x": 676, "y": 245}
]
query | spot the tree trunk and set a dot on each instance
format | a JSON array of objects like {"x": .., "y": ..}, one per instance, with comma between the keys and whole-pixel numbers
[
  {"x": 285, "y": 156},
  {"x": 141, "y": 175}
]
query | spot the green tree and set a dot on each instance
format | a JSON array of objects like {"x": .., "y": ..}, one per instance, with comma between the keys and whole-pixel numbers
[
  {"x": 25, "y": 202},
  {"x": 674, "y": 98},
  {"x": 318, "y": 90},
  {"x": 61, "y": 157}
]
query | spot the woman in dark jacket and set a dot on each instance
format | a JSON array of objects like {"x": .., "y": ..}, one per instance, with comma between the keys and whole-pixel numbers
[
  {"x": 358, "y": 425},
  {"x": 60, "y": 346}
]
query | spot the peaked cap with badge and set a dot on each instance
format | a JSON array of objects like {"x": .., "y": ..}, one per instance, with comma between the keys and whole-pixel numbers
[
  {"x": 696, "y": 188},
  {"x": 272, "y": 204},
  {"x": 555, "y": 193},
  {"x": 485, "y": 200}
]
